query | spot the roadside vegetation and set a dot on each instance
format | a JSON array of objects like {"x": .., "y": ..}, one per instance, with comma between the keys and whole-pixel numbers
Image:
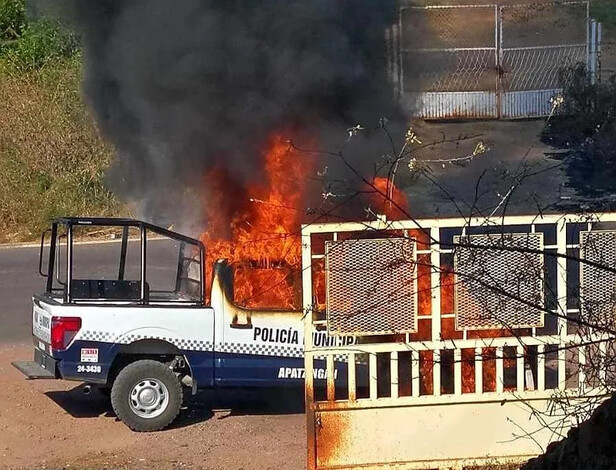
[
  {"x": 52, "y": 158},
  {"x": 604, "y": 11},
  {"x": 586, "y": 126},
  {"x": 586, "y": 122}
]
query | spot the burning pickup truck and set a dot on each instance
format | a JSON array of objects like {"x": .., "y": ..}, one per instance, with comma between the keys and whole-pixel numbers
[{"x": 143, "y": 330}]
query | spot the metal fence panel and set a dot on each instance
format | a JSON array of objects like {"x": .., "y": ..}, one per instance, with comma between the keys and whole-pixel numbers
[
  {"x": 448, "y": 105},
  {"x": 543, "y": 24},
  {"x": 536, "y": 42},
  {"x": 449, "y": 70},
  {"x": 447, "y": 27},
  {"x": 490, "y": 281},
  {"x": 535, "y": 103},
  {"x": 370, "y": 286},
  {"x": 598, "y": 285},
  {"x": 538, "y": 68},
  {"x": 446, "y": 373},
  {"x": 448, "y": 60}
]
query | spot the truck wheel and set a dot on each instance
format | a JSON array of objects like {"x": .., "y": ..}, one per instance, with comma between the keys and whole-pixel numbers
[{"x": 146, "y": 395}]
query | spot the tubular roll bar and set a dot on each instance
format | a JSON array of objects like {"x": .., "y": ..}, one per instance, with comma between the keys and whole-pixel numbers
[
  {"x": 121, "y": 222},
  {"x": 40, "y": 268},
  {"x": 52, "y": 256},
  {"x": 123, "y": 249},
  {"x": 71, "y": 222}
]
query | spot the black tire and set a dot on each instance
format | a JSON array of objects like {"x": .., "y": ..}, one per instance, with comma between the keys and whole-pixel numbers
[{"x": 155, "y": 376}]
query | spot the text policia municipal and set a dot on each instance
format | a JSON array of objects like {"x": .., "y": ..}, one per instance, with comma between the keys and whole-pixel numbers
[{"x": 291, "y": 336}]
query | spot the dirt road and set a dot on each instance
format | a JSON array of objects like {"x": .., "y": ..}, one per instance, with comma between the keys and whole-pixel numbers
[{"x": 51, "y": 424}]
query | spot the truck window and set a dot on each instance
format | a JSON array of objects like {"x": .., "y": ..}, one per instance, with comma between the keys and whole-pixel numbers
[{"x": 190, "y": 283}]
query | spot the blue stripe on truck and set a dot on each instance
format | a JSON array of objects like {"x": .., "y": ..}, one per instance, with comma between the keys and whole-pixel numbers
[{"x": 209, "y": 368}]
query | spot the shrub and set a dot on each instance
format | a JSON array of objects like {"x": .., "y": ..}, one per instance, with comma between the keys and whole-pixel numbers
[
  {"x": 12, "y": 19},
  {"x": 604, "y": 11},
  {"x": 41, "y": 42},
  {"x": 586, "y": 124}
]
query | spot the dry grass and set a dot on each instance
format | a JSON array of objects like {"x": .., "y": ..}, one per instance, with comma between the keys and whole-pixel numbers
[
  {"x": 495, "y": 466},
  {"x": 52, "y": 159},
  {"x": 498, "y": 467}
]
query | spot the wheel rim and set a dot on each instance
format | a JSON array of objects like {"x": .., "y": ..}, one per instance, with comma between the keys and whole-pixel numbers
[{"x": 149, "y": 398}]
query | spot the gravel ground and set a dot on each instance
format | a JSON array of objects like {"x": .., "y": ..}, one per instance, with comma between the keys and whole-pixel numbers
[{"x": 52, "y": 425}]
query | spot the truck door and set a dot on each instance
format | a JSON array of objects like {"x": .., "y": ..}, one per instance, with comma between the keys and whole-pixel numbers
[{"x": 254, "y": 347}]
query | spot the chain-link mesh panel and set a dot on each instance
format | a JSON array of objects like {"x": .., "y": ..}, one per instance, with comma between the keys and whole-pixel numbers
[
  {"x": 461, "y": 70},
  {"x": 598, "y": 284},
  {"x": 498, "y": 282},
  {"x": 544, "y": 24},
  {"x": 448, "y": 49},
  {"x": 447, "y": 27},
  {"x": 538, "y": 69},
  {"x": 539, "y": 40},
  {"x": 370, "y": 286}
]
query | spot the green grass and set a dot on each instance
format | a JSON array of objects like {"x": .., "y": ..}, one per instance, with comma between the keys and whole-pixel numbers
[
  {"x": 52, "y": 159},
  {"x": 604, "y": 11}
]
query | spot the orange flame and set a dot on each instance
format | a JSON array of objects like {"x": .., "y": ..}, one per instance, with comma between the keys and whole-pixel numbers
[
  {"x": 256, "y": 228},
  {"x": 387, "y": 199}
]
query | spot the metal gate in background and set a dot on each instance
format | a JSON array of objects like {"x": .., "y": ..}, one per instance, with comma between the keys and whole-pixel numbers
[{"x": 489, "y": 61}]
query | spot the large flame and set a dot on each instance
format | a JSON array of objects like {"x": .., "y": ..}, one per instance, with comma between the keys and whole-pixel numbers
[{"x": 256, "y": 228}]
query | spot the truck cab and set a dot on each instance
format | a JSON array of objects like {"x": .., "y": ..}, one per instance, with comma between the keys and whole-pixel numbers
[{"x": 133, "y": 321}]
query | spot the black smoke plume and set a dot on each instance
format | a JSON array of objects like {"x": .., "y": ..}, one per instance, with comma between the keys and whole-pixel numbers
[{"x": 181, "y": 86}]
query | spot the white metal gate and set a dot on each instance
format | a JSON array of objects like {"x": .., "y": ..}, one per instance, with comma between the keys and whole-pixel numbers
[
  {"x": 513, "y": 338},
  {"x": 489, "y": 61}
]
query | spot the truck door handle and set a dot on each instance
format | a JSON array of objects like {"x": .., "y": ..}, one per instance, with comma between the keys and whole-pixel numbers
[{"x": 241, "y": 326}]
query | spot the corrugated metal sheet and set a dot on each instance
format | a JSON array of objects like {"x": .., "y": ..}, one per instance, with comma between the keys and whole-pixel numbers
[
  {"x": 474, "y": 105},
  {"x": 452, "y": 105},
  {"x": 527, "y": 104}
]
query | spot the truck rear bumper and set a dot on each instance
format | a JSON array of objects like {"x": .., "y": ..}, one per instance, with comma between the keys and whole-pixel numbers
[{"x": 43, "y": 366}]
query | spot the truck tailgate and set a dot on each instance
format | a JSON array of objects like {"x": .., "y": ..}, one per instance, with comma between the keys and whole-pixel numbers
[{"x": 41, "y": 323}]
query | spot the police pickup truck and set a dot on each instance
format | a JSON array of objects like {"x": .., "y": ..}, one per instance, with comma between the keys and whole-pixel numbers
[{"x": 137, "y": 327}]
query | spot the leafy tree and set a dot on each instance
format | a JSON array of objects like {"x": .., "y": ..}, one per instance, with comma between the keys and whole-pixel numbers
[
  {"x": 12, "y": 19},
  {"x": 41, "y": 41}
]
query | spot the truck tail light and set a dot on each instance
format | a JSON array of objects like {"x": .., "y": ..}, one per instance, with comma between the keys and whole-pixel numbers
[{"x": 63, "y": 331}]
